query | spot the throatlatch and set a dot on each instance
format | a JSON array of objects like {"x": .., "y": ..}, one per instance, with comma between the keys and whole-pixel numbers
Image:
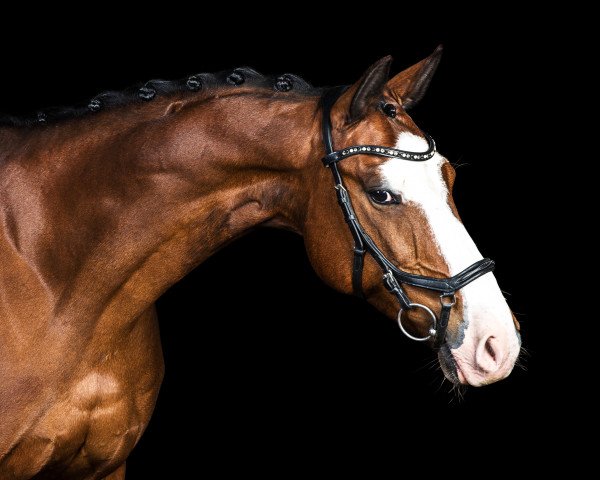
[{"x": 393, "y": 277}]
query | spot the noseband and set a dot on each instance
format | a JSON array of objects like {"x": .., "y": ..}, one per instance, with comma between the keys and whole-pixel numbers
[{"x": 393, "y": 277}]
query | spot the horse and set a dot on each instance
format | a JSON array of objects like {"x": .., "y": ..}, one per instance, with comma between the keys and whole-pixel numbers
[{"x": 107, "y": 205}]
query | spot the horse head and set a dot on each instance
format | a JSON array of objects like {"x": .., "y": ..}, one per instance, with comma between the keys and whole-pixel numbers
[{"x": 401, "y": 205}]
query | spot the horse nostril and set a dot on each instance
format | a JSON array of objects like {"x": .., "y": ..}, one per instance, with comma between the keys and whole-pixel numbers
[
  {"x": 490, "y": 349},
  {"x": 489, "y": 355}
]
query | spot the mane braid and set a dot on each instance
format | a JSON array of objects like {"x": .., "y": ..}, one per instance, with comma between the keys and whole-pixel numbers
[{"x": 146, "y": 92}]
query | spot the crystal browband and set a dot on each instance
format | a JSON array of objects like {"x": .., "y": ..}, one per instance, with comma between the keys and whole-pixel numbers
[{"x": 336, "y": 156}]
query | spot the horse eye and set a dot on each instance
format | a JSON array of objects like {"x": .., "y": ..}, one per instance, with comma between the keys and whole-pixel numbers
[
  {"x": 383, "y": 197},
  {"x": 389, "y": 110}
]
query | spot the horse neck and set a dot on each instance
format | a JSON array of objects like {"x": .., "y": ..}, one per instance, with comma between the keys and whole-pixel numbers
[{"x": 107, "y": 213}]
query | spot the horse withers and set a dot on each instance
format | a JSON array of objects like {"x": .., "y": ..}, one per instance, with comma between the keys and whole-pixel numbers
[{"x": 103, "y": 208}]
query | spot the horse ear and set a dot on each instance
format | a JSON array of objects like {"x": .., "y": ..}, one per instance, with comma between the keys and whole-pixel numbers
[
  {"x": 410, "y": 85},
  {"x": 360, "y": 96}
]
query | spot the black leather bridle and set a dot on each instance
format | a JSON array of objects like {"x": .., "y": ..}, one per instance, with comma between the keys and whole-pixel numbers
[{"x": 393, "y": 277}]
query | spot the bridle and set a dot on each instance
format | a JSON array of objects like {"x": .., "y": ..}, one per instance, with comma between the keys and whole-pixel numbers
[{"x": 393, "y": 277}]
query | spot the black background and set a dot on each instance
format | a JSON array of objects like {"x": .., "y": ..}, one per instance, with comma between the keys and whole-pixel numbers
[{"x": 289, "y": 372}]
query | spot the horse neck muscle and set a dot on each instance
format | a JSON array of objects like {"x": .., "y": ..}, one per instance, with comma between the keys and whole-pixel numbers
[{"x": 105, "y": 213}]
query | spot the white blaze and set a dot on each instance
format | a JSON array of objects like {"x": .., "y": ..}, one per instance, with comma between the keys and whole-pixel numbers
[{"x": 485, "y": 309}]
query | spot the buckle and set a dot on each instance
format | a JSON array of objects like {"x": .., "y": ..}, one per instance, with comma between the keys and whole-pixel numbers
[{"x": 451, "y": 299}]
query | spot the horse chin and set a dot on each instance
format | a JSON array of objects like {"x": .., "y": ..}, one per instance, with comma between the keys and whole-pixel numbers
[{"x": 450, "y": 367}]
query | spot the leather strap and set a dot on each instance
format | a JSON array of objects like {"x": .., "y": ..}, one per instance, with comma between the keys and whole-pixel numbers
[
  {"x": 357, "y": 269},
  {"x": 389, "y": 152},
  {"x": 328, "y": 101},
  {"x": 442, "y": 326}
]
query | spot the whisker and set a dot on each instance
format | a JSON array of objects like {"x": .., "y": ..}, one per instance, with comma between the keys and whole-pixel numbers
[
  {"x": 522, "y": 358},
  {"x": 459, "y": 163},
  {"x": 430, "y": 364},
  {"x": 441, "y": 384}
]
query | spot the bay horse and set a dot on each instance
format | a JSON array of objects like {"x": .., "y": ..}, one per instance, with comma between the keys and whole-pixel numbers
[{"x": 104, "y": 207}]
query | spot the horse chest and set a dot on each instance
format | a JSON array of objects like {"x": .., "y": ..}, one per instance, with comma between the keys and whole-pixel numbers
[{"x": 95, "y": 420}]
